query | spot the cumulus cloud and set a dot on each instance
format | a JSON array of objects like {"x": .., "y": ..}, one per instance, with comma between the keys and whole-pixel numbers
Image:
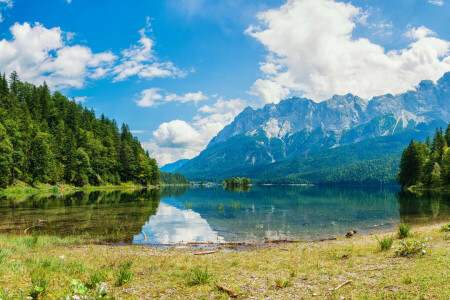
[
  {"x": 39, "y": 54},
  {"x": 179, "y": 139},
  {"x": 312, "y": 52},
  {"x": 154, "y": 96},
  {"x": 436, "y": 2},
  {"x": 140, "y": 60}
]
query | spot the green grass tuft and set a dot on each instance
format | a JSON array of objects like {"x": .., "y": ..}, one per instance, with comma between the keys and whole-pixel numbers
[
  {"x": 125, "y": 274},
  {"x": 385, "y": 243},
  {"x": 198, "y": 276},
  {"x": 403, "y": 231}
]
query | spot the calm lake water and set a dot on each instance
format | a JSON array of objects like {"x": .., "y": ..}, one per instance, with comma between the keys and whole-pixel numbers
[{"x": 183, "y": 214}]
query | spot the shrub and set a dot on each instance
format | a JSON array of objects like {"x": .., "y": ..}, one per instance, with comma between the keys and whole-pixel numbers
[
  {"x": 412, "y": 248},
  {"x": 125, "y": 274},
  {"x": 446, "y": 228},
  {"x": 385, "y": 243},
  {"x": 403, "y": 231},
  {"x": 198, "y": 276}
]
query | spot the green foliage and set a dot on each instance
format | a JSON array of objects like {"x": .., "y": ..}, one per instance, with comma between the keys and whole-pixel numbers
[
  {"x": 47, "y": 138},
  {"x": 385, "y": 243},
  {"x": 446, "y": 228},
  {"x": 403, "y": 231},
  {"x": 282, "y": 283},
  {"x": 427, "y": 164},
  {"x": 95, "y": 279},
  {"x": 169, "y": 178},
  {"x": 39, "y": 283},
  {"x": 79, "y": 288},
  {"x": 125, "y": 274},
  {"x": 412, "y": 248},
  {"x": 198, "y": 276},
  {"x": 236, "y": 182}
]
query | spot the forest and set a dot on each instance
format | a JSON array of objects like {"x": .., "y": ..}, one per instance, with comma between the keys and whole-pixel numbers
[
  {"x": 48, "y": 138},
  {"x": 236, "y": 182},
  {"x": 426, "y": 164}
]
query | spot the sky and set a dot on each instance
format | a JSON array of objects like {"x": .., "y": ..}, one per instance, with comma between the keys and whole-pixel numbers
[{"x": 178, "y": 71}]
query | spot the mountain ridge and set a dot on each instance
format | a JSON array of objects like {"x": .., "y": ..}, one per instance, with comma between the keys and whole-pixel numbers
[{"x": 299, "y": 127}]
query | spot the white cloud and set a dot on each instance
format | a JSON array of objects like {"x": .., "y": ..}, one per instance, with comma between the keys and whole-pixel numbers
[
  {"x": 81, "y": 99},
  {"x": 9, "y": 3},
  {"x": 39, "y": 54},
  {"x": 140, "y": 60},
  {"x": 312, "y": 52},
  {"x": 137, "y": 131},
  {"x": 436, "y": 2},
  {"x": 154, "y": 97},
  {"x": 179, "y": 139},
  {"x": 4, "y": 4}
]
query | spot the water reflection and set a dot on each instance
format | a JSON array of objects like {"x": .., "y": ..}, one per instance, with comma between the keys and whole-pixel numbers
[
  {"x": 183, "y": 214},
  {"x": 175, "y": 225}
]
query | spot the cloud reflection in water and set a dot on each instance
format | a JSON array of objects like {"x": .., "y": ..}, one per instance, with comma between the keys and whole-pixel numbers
[{"x": 173, "y": 225}]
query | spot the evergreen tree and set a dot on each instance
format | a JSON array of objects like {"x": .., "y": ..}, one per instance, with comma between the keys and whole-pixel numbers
[
  {"x": 47, "y": 138},
  {"x": 6, "y": 151},
  {"x": 412, "y": 163}
]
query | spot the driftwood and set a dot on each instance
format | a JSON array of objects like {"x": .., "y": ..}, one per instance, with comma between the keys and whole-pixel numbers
[
  {"x": 39, "y": 224},
  {"x": 341, "y": 285},
  {"x": 205, "y": 252},
  {"x": 231, "y": 293},
  {"x": 280, "y": 241}
]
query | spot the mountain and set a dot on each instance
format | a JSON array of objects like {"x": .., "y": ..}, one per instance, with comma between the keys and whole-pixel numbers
[
  {"x": 171, "y": 168},
  {"x": 264, "y": 143}
]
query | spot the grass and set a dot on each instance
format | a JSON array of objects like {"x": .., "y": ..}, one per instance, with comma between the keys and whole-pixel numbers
[
  {"x": 58, "y": 268},
  {"x": 385, "y": 242},
  {"x": 197, "y": 276},
  {"x": 403, "y": 231},
  {"x": 124, "y": 275}
]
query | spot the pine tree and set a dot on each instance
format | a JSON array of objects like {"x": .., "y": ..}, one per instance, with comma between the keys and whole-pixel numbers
[{"x": 6, "y": 151}]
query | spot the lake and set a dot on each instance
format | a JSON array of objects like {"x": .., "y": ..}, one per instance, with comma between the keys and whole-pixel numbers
[{"x": 195, "y": 214}]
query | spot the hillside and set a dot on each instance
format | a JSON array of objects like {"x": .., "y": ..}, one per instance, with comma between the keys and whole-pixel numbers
[
  {"x": 47, "y": 138},
  {"x": 317, "y": 138}
]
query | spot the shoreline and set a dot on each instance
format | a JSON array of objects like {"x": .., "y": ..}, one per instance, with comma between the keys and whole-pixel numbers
[
  {"x": 22, "y": 189},
  {"x": 277, "y": 271}
]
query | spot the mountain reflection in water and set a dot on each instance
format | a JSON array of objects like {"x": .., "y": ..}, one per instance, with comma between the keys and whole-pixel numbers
[{"x": 183, "y": 214}]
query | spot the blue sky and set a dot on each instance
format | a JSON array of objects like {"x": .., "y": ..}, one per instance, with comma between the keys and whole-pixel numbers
[{"x": 178, "y": 71}]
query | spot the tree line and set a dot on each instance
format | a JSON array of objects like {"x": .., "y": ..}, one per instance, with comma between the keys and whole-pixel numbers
[
  {"x": 426, "y": 164},
  {"x": 48, "y": 138},
  {"x": 236, "y": 182}
]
